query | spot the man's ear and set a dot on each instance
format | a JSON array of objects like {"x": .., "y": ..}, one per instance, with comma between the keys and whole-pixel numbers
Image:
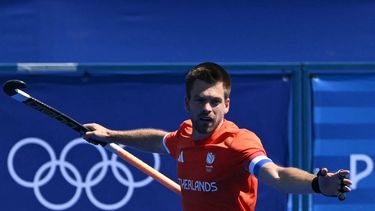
[
  {"x": 227, "y": 105},
  {"x": 187, "y": 101}
]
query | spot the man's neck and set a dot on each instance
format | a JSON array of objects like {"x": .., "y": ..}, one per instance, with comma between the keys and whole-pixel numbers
[
  {"x": 199, "y": 136},
  {"x": 203, "y": 136}
]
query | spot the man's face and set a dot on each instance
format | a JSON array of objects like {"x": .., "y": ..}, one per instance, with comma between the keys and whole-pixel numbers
[{"x": 206, "y": 107}]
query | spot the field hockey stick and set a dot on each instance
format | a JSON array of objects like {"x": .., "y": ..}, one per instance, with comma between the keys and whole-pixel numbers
[{"x": 13, "y": 89}]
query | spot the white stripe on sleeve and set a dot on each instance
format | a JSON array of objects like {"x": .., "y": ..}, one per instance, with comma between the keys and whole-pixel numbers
[
  {"x": 257, "y": 163},
  {"x": 164, "y": 144}
]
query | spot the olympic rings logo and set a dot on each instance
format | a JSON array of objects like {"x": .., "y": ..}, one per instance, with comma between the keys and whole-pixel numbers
[{"x": 77, "y": 180}]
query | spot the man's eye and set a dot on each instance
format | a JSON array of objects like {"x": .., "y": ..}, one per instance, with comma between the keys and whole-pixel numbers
[
  {"x": 215, "y": 102},
  {"x": 199, "y": 100}
]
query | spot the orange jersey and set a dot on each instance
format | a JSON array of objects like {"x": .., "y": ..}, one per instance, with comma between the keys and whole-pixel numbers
[{"x": 214, "y": 173}]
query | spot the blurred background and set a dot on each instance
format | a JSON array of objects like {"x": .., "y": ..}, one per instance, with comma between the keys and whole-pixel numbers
[{"x": 303, "y": 79}]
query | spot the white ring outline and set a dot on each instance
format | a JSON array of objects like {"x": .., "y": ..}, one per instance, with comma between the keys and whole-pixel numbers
[
  {"x": 77, "y": 182},
  {"x": 64, "y": 153},
  {"x": 118, "y": 204},
  {"x": 20, "y": 144},
  {"x": 137, "y": 184},
  {"x": 61, "y": 206}
]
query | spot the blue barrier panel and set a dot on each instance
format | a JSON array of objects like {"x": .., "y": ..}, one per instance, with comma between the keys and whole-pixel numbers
[
  {"x": 343, "y": 136},
  {"x": 171, "y": 31},
  {"x": 50, "y": 168}
]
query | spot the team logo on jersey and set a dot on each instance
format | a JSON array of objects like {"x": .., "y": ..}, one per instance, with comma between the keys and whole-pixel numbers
[
  {"x": 210, "y": 158},
  {"x": 209, "y": 161},
  {"x": 181, "y": 157}
]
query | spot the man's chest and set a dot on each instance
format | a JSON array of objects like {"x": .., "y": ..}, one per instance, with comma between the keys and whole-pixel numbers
[{"x": 208, "y": 163}]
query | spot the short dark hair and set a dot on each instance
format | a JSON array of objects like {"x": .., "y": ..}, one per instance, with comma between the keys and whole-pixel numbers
[{"x": 208, "y": 72}]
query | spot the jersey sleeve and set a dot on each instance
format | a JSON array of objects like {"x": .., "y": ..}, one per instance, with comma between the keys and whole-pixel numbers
[
  {"x": 173, "y": 139},
  {"x": 170, "y": 143},
  {"x": 253, "y": 154}
]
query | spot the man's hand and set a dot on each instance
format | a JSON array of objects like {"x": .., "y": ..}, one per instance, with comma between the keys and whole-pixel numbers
[
  {"x": 97, "y": 133},
  {"x": 334, "y": 184}
]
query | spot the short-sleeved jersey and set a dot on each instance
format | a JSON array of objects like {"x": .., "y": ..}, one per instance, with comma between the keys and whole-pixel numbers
[{"x": 214, "y": 173}]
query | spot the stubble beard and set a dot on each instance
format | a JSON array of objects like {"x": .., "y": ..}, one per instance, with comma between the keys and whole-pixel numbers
[{"x": 203, "y": 127}]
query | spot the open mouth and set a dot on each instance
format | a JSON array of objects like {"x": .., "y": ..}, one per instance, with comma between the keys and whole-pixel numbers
[{"x": 206, "y": 119}]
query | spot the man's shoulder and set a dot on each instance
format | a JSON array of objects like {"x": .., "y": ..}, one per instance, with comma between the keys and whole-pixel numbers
[
  {"x": 185, "y": 129},
  {"x": 231, "y": 128},
  {"x": 186, "y": 124},
  {"x": 236, "y": 136}
]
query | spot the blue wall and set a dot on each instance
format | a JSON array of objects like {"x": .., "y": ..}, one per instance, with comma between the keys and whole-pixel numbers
[{"x": 186, "y": 31}]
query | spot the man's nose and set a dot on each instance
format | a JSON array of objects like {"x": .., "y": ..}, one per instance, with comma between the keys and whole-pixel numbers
[{"x": 207, "y": 107}]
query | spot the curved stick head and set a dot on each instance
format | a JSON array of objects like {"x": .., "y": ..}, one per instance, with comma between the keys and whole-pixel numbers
[{"x": 11, "y": 86}]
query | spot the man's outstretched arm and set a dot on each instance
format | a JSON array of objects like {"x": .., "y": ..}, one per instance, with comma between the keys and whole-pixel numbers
[
  {"x": 294, "y": 180},
  {"x": 149, "y": 140}
]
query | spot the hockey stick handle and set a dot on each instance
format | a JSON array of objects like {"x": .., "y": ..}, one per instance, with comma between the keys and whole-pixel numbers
[
  {"x": 142, "y": 166},
  {"x": 13, "y": 89}
]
